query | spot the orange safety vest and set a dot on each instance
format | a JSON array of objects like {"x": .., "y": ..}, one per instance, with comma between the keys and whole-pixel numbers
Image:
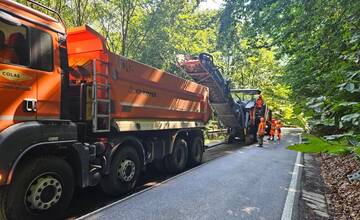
[
  {"x": 272, "y": 128},
  {"x": 261, "y": 128}
]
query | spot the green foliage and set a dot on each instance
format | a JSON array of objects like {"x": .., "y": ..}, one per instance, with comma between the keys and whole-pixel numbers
[
  {"x": 357, "y": 151},
  {"x": 74, "y": 12},
  {"x": 251, "y": 65},
  {"x": 180, "y": 29},
  {"x": 318, "y": 145},
  {"x": 317, "y": 43}
]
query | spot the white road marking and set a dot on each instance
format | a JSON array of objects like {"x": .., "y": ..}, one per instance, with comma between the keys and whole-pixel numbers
[{"x": 290, "y": 198}]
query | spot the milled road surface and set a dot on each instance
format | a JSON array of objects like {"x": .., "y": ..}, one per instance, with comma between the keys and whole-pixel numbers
[{"x": 247, "y": 183}]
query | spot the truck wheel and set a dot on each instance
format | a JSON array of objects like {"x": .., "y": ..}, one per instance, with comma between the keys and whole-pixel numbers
[
  {"x": 124, "y": 172},
  {"x": 196, "y": 151},
  {"x": 41, "y": 189},
  {"x": 176, "y": 162}
]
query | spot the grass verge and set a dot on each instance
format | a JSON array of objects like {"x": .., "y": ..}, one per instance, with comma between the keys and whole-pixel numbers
[{"x": 317, "y": 145}]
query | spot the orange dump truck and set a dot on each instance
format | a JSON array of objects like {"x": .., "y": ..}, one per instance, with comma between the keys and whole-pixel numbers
[{"x": 73, "y": 114}]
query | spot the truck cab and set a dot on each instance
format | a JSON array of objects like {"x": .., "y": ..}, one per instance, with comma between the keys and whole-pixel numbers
[
  {"x": 30, "y": 65},
  {"x": 33, "y": 65}
]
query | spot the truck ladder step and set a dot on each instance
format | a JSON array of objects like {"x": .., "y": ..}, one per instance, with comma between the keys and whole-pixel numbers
[
  {"x": 100, "y": 121},
  {"x": 102, "y": 100}
]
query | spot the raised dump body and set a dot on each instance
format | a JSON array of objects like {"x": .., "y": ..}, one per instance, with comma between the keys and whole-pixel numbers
[{"x": 140, "y": 97}]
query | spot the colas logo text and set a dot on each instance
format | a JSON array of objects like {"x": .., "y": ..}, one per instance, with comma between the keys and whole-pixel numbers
[{"x": 14, "y": 75}]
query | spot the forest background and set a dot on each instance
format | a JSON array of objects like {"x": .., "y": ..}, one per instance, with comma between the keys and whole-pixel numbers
[{"x": 303, "y": 55}]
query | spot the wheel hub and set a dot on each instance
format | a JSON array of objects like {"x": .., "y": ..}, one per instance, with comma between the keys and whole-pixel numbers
[
  {"x": 43, "y": 193},
  {"x": 126, "y": 170}
]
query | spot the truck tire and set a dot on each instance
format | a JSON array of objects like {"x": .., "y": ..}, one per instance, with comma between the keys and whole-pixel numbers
[
  {"x": 41, "y": 189},
  {"x": 177, "y": 160},
  {"x": 196, "y": 151},
  {"x": 124, "y": 172}
]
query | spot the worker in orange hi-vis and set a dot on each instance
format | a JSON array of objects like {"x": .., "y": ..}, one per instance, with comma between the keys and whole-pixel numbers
[
  {"x": 272, "y": 129},
  {"x": 278, "y": 129},
  {"x": 261, "y": 132}
]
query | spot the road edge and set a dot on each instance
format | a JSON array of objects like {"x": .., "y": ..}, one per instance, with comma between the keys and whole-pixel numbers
[{"x": 290, "y": 211}]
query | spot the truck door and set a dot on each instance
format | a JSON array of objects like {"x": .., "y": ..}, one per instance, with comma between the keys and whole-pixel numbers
[
  {"x": 45, "y": 59},
  {"x": 18, "y": 82}
]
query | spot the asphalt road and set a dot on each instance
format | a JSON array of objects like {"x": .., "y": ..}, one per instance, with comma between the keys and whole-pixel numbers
[
  {"x": 246, "y": 183},
  {"x": 92, "y": 198}
]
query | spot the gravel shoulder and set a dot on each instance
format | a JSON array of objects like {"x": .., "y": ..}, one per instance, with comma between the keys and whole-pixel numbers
[
  {"x": 344, "y": 196},
  {"x": 326, "y": 193}
]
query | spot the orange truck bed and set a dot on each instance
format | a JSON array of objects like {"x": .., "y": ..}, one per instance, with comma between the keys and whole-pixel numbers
[{"x": 142, "y": 97}]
